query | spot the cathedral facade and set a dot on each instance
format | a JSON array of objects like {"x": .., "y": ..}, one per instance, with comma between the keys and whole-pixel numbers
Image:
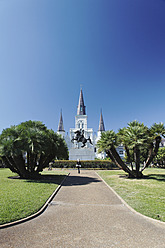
[{"x": 76, "y": 149}]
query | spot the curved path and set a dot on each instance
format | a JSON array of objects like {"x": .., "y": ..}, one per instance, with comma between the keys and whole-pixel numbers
[{"x": 85, "y": 214}]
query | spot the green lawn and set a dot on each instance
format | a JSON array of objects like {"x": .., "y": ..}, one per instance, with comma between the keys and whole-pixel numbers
[
  {"x": 20, "y": 198},
  {"x": 146, "y": 196}
]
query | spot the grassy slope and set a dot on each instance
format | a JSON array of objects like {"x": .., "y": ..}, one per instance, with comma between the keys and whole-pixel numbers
[
  {"x": 146, "y": 196},
  {"x": 21, "y": 198}
]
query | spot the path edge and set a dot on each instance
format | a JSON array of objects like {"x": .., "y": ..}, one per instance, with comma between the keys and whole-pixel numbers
[
  {"x": 39, "y": 212},
  {"x": 128, "y": 206}
]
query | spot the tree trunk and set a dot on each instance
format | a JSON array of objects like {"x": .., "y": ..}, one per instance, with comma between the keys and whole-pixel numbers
[
  {"x": 13, "y": 164},
  {"x": 129, "y": 156},
  {"x": 119, "y": 161},
  {"x": 31, "y": 162},
  {"x": 35, "y": 160},
  {"x": 137, "y": 161},
  {"x": 40, "y": 166},
  {"x": 20, "y": 165},
  {"x": 111, "y": 156},
  {"x": 47, "y": 160},
  {"x": 8, "y": 164},
  {"x": 153, "y": 152},
  {"x": 28, "y": 161}
]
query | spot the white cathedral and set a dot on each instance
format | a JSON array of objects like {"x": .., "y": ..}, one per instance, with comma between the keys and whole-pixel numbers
[{"x": 89, "y": 151}]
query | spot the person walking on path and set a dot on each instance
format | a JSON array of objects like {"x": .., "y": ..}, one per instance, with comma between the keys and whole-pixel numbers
[{"x": 78, "y": 165}]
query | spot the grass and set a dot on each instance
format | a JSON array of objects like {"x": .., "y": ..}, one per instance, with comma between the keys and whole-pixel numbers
[
  {"x": 20, "y": 198},
  {"x": 146, "y": 196}
]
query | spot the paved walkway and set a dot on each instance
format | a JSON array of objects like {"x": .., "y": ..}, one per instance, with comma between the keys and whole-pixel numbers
[{"x": 85, "y": 214}]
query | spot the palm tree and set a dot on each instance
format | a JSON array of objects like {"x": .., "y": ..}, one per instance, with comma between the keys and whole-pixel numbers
[
  {"x": 10, "y": 153},
  {"x": 137, "y": 139},
  {"x": 157, "y": 131},
  {"x": 107, "y": 143},
  {"x": 29, "y": 147},
  {"x": 123, "y": 140}
]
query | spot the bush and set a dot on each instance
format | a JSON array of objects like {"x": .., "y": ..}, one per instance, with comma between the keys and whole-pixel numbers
[
  {"x": 91, "y": 164},
  {"x": 159, "y": 165}
]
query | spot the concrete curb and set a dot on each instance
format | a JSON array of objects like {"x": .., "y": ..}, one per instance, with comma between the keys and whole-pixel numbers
[
  {"x": 43, "y": 208},
  {"x": 129, "y": 207}
]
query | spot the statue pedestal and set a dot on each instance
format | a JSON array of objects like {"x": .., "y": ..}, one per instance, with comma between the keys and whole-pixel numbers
[{"x": 81, "y": 153}]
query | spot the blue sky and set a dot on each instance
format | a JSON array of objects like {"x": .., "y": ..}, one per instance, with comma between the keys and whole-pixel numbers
[{"x": 115, "y": 49}]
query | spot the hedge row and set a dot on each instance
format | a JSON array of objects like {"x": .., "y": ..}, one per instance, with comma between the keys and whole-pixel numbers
[
  {"x": 99, "y": 164},
  {"x": 159, "y": 166}
]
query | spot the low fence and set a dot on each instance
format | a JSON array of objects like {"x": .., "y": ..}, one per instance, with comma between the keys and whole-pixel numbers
[{"x": 91, "y": 164}]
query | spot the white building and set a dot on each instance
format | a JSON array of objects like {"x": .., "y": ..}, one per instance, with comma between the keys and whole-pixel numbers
[
  {"x": 89, "y": 152},
  {"x": 81, "y": 123}
]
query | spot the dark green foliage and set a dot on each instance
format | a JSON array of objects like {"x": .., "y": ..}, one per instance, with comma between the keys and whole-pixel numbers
[
  {"x": 159, "y": 161},
  {"x": 29, "y": 147},
  {"x": 100, "y": 164}
]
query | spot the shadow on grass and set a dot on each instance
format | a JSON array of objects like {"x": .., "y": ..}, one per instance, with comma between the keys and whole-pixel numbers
[
  {"x": 51, "y": 179},
  {"x": 158, "y": 177},
  {"x": 57, "y": 179}
]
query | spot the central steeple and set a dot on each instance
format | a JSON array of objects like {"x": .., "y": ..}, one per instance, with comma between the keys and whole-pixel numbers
[{"x": 81, "y": 106}]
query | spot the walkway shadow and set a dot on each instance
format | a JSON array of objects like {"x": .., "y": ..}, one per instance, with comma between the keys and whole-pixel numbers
[
  {"x": 57, "y": 179},
  {"x": 79, "y": 180}
]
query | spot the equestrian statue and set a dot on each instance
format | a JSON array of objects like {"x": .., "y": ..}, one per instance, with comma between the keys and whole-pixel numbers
[{"x": 79, "y": 137}]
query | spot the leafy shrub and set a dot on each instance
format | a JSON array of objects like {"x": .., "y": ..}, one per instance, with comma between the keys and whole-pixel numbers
[{"x": 91, "y": 164}]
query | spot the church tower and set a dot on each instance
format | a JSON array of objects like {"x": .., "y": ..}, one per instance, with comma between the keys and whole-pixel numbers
[
  {"x": 76, "y": 151},
  {"x": 81, "y": 117},
  {"x": 81, "y": 106},
  {"x": 101, "y": 126},
  {"x": 60, "y": 129},
  {"x": 101, "y": 129}
]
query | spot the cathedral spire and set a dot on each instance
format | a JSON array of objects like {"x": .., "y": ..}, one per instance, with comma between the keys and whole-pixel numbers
[
  {"x": 81, "y": 106},
  {"x": 61, "y": 125},
  {"x": 101, "y": 124}
]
